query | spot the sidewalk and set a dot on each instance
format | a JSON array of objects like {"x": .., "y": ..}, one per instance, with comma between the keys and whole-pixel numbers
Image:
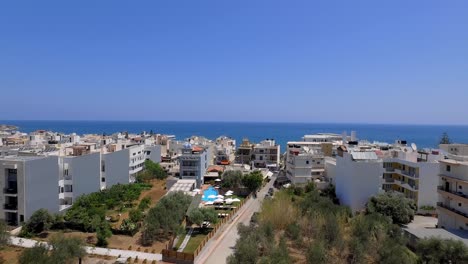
[
  {"x": 29, "y": 243},
  {"x": 186, "y": 240}
]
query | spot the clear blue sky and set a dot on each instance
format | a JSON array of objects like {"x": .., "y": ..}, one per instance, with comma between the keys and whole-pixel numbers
[{"x": 297, "y": 61}]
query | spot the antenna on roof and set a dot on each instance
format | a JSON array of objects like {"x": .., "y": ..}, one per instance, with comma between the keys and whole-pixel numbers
[{"x": 413, "y": 146}]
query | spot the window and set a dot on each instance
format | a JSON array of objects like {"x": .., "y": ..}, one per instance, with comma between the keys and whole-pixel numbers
[
  {"x": 307, "y": 162},
  {"x": 65, "y": 172},
  {"x": 103, "y": 166},
  {"x": 459, "y": 187},
  {"x": 447, "y": 168},
  {"x": 21, "y": 218},
  {"x": 459, "y": 204},
  {"x": 103, "y": 179}
]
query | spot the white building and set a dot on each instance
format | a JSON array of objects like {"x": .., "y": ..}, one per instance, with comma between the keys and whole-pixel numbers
[
  {"x": 412, "y": 173},
  {"x": 358, "y": 177},
  {"x": 225, "y": 150},
  {"x": 28, "y": 184},
  {"x": 266, "y": 154},
  {"x": 193, "y": 163},
  {"x": 452, "y": 207},
  {"x": 304, "y": 165}
]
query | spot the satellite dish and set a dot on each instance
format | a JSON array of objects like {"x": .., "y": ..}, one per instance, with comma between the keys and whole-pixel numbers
[
  {"x": 306, "y": 149},
  {"x": 413, "y": 146}
]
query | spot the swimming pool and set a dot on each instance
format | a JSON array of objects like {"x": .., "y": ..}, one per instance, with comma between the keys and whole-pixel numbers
[{"x": 208, "y": 192}]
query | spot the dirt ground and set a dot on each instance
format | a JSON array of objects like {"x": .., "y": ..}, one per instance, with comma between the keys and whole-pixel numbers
[
  {"x": 122, "y": 241},
  {"x": 155, "y": 194},
  {"x": 10, "y": 254}
]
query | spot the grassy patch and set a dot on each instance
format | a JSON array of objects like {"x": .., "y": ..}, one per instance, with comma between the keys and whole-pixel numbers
[{"x": 197, "y": 237}]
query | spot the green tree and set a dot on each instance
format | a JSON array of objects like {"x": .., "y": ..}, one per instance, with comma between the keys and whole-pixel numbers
[
  {"x": 165, "y": 218},
  {"x": 196, "y": 216},
  {"x": 155, "y": 170},
  {"x": 317, "y": 253},
  {"x": 210, "y": 215},
  {"x": 135, "y": 215},
  {"x": 66, "y": 250},
  {"x": 232, "y": 179},
  {"x": 144, "y": 204},
  {"x": 253, "y": 181},
  {"x": 445, "y": 139},
  {"x": 39, "y": 221},
  {"x": 435, "y": 250},
  {"x": 393, "y": 205},
  {"x": 39, "y": 254},
  {"x": 4, "y": 235},
  {"x": 103, "y": 231}
]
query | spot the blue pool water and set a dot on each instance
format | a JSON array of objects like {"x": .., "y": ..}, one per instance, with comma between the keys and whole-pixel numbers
[{"x": 208, "y": 192}]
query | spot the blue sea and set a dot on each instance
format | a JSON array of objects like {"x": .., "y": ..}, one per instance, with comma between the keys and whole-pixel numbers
[{"x": 425, "y": 136}]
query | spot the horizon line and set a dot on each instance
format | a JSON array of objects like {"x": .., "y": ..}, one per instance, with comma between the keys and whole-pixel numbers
[{"x": 217, "y": 121}]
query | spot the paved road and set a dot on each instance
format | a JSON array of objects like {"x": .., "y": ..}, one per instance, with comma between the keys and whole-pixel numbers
[
  {"x": 222, "y": 244},
  {"x": 29, "y": 243}
]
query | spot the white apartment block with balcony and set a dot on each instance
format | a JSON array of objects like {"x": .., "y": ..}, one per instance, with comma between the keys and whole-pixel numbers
[
  {"x": 28, "y": 184},
  {"x": 413, "y": 173},
  {"x": 193, "y": 163},
  {"x": 358, "y": 176},
  {"x": 452, "y": 207},
  {"x": 266, "y": 154},
  {"x": 225, "y": 150},
  {"x": 304, "y": 165}
]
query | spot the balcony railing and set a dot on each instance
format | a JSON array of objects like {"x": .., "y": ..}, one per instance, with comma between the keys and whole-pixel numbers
[
  {"x": 390, "y": 169},
  {"x": 10, "y": 190},
  {"x": 460, "y": 194},
  {"x": 10, "y": 206},
  {"x": 440, "y": 204}
]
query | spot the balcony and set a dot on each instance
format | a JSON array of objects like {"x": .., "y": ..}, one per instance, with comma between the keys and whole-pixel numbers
[
  {"x": 450, "y": 209},
  {"x": 389, "y": 180},
  {"x": 389, "y": 169},
  {"x": 10, "y": 207},
  {"x": 10, "y": 191},
  {"x": 452, "y": 194}
]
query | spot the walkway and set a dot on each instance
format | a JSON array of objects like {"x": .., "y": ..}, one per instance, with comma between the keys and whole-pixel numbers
[
  {"x": 29, "y": 243},
  {"x": 186, "y": 240}
]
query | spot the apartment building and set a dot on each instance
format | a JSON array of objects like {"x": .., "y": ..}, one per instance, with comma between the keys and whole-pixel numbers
[
  {"x": 245, "y": 152},
  {"x": 452, "y": 207},
  {"x": 412, "y": 173},
  {"x": 225, "y": 150},
  {"x": 358, "y": 176},
  {"x": 193, "y": 163},
  {"x": 266, "y": 154},
  {"x": 52, "y": 175},
  {"x": 304, "y": 165},
  {"x": 30, "y": 183}
]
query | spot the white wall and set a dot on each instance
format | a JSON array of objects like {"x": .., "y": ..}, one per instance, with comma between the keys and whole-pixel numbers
[
  {"x": 40, "y": 186},
  {"x": 356, "y": 182},
  {"x": 155, "y": 153},
  {"x": 428, "y": 181},
  {"x": 85, "y": 172},
  {"x": 116, "y": 164}
]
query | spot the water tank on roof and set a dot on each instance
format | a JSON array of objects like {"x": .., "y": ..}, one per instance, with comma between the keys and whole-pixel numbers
[{"x": 187, "y": 145}]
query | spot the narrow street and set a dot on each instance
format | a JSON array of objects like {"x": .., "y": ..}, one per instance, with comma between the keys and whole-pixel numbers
[{"x": 221, "y": 246}]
